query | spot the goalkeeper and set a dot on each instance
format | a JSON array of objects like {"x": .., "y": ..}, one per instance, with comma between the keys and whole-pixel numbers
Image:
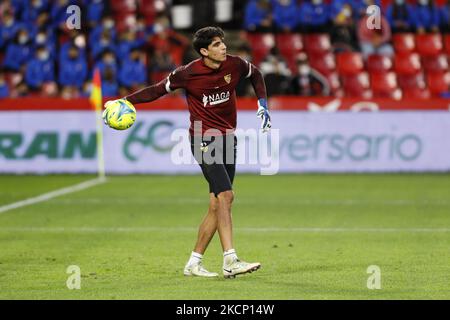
[{"x": 210, "y": 83}]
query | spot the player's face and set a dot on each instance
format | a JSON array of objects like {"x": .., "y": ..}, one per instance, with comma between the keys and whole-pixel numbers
[{"x": 217, "y": 50}]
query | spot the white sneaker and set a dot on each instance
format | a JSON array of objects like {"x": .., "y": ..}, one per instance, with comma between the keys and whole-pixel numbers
[
  {"x": 239, "y": 267},
  {"x": 198, "y": 270}
]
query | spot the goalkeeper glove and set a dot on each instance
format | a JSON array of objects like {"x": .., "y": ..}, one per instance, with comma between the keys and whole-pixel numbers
[{"x": 263, "y": 113}]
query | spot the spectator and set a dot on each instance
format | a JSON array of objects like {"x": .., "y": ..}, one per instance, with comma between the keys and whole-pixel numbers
[
  {"x": 58, "y": 14},
  {"x": 128, "y": 41},
  {"x": 108, "y": 61},
  {"x": 108, "y": 24},
  {"x": 95, "y": 10},
  {"x": 258, "y": 16},
  {"x": 286, "y": 15},
  {"x": 4, "y": 90},
  {"x": 46, "y": 39},
  {"x": 343, "y": 34},
  {"x": 426, "y": 16},
  {"x": 72, "y": 72},
  {"x": 18, "y": 52},
  {"x": 133, "y": 73},
  {"x": 110, "y": 88},
  {"x": 78, "y": 40},
  {"x": 308, "y": 81},
  {"x": 314, "y": 16},
  {"x": 8, "y": 29},
  {"x": 375, "y": 41},
  {"x": 400, "y": 16},
  {"x": 32, "y": 10},
  {"x": 40, "y": 70},
  {"x": 106, "y": 42},
  {"x": 276, "y": 73},
  {"x": 445, "y": 17}
]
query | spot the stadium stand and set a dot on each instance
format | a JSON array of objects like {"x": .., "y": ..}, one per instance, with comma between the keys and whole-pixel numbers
[{"x": 419, "y": 65}]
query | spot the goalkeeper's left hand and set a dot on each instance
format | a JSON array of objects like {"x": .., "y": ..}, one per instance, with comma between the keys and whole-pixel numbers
[{"x": 263, "y": 113}]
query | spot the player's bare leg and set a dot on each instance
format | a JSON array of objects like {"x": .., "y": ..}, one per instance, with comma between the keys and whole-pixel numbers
[
  {"x": 206, "y": 232},
  {"x": 232, "y": 266},
  {"x": 208, "y": 227}
]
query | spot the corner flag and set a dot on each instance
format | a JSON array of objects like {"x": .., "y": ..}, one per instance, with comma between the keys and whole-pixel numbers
[{"x": 96, "y": 101}]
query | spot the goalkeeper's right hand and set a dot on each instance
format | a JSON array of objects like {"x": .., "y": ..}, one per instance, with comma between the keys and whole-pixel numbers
[{"x": 107, "y": 103}]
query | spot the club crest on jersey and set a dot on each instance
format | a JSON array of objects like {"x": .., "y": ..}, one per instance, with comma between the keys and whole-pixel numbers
[
  {"x": 216, "y": 98},
  {"x": 227, "y": 78}
]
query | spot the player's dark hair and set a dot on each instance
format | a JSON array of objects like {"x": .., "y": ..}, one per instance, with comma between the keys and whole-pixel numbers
[{"x": 204, "y": 36}]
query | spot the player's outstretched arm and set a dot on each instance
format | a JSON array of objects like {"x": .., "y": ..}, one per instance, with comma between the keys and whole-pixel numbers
[
  {"x": 259, "y": 86},
  {"x": 148, "y": 94}
]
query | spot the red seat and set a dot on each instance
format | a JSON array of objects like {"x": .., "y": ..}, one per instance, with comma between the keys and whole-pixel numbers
[
  {"x": 289, "y": 45},
  {"x": 317, "y": 43},
  {"x": 335, "y": 84},
  {"x": 438, "y": 83},
  {"x": 417, "y": 93},
  {"x": 357, "y": 86},
  {"x": 325, "y": 64},
  {"x": 436, "y": 63},
  {"x": 447, "y": 44},
  {"x": 384, "y": 85},
  {"x": 350, "y": 63},
  {"x": 407, "y": 64},
  {"x": 261, "y": 43},
  {"x": 416, "y": 81},
  {"x": 404, "y": 43},
  {"x": 429, "y": 44},
  {"x": 378, "y": 63}
]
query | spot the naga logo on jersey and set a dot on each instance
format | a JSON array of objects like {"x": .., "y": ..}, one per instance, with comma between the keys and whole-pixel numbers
[
  {"x": 216, "y": 98},
  {"x": 227, "y": 78}
]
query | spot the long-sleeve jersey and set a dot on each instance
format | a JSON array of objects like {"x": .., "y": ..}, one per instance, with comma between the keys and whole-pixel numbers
[{"x": 210, "y": 93}]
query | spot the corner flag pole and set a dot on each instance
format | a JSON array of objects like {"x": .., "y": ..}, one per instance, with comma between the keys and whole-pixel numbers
[{"x": 96, "y": 101}]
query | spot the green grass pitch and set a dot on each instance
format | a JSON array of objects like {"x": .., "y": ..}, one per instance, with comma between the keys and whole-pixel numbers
[{"x": 315, "y": 236}]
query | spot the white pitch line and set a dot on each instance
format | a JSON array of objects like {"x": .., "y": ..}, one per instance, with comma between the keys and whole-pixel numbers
[
  {"x": 53, "y": 194},
  {"x": 243, "y": 229}
]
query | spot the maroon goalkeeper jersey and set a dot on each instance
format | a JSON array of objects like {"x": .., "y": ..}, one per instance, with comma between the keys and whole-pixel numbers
[{"x": 210, "y": 93}]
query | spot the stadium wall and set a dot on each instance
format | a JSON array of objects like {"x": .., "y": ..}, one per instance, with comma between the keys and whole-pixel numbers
[{"x": 319, "y": 135}]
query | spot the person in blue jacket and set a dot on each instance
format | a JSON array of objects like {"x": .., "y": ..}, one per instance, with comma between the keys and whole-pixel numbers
[
  {"x": 133, "y": 73},
  {"x": 426, "y": 16},
  {"x": 40, "y": 69},
  {"x": 444, "y": 17},
  {"x": 18, "y": 52},
  {"x": 286, "y": 15},
  {"x": 258, "y": 16},
  {"x": 110, "y": 87},
  {"x": 314, "y": 16},
  {"x": 400, "y": 16},
  {"x": 73, "y": 70}
]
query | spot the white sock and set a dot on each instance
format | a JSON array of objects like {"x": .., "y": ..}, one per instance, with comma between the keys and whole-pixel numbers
[
  {"x": 229, "y": 256},
  {"x": 195, "y": 258}
]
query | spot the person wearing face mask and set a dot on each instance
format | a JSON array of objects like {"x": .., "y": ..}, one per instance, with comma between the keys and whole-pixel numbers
[
  {"x": 40, "y": 70},
  {"x": 133, "y": 73},
  {"x": 308, "y": 81},
  {"x": 127, "y": 41},
  {"x": 426, "y": 16},
  {"x": 8, "y": 29},
  {"x": 32, "y": 11},
  {"x": 108, "y": 61},
  {"x": 72, "y": 71},
  {"x": 107, "y": 24},
  {"x": 44, "y": 38},
  {"x": 110, "y": 88},
  {"x": 276, "y": 73},
  {"x": 400, "y": 16},
  {"x": 444, "y": 17},
  {"x": 106, "y": 42},
  {"x": 314, "y": 16},
  {"x": 342, "y": 33},
  {"x": 18, "y": 52}
]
